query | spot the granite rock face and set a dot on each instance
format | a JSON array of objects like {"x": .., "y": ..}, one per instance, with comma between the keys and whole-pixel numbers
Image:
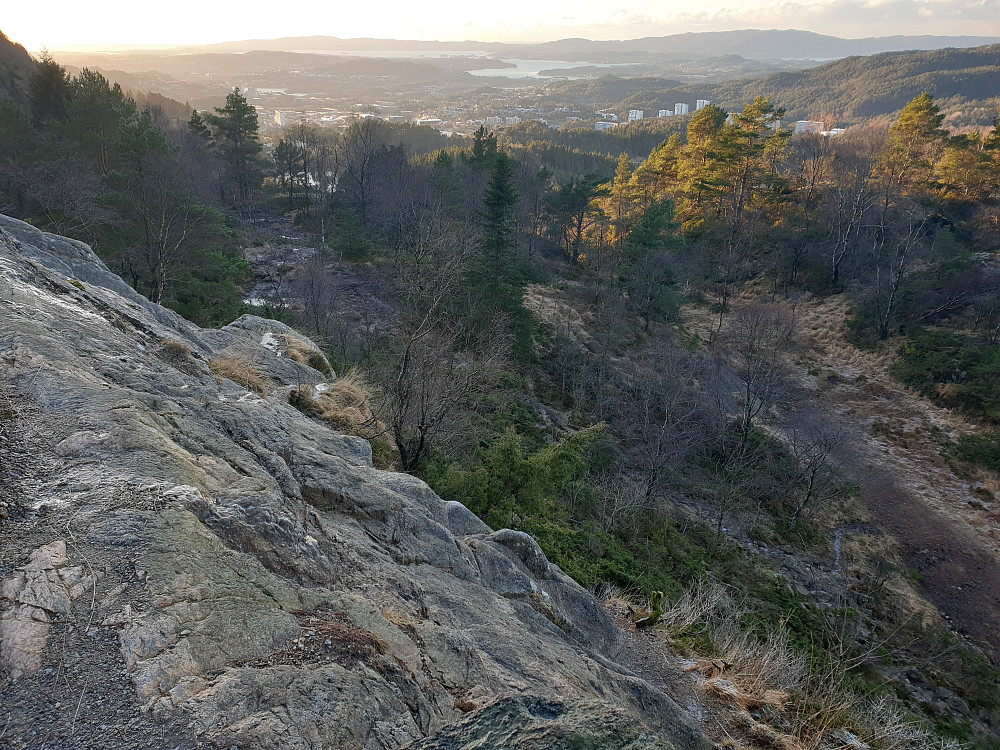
[{"x": 274, "y": 590}]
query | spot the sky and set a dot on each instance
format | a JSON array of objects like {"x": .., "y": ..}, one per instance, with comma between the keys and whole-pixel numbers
[{"x": 105, "y": 23}]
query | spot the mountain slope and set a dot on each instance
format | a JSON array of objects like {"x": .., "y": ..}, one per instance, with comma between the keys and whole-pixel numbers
[
  {"x": 849, "y": 90},
  {"x": 16, "y": 66},
  {"x": 259, "y": 583},
  {"x": 859, "y": 87}
]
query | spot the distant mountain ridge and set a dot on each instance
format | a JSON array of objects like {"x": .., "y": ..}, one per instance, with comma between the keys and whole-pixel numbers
[{"x": 750, "y": 43}]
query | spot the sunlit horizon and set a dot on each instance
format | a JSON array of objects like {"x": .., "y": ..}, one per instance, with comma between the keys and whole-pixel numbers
[{"x": 111, "y": 26}]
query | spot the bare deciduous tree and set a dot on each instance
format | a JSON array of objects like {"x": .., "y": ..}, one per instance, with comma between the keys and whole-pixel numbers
[
  {"x": 428, "y": 383},
  {"x": 815, "y": 440},
  {"x": 753, "y": 346}
]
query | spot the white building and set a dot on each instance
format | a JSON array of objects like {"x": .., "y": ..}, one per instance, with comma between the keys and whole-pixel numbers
[
  {"x": 832, "y": 132},
  {"x": 701, "y": 104},
  {"x": 634, "y": 115},
  {"x": 284, "y": 118},
  {"x": 681, "y": 108},
  {"x": 666, "y": 113},
  {"x": 604, "y": 125},
  {"x": 808, "y": 126},
  {"x": 493, "y": 120},
  {"x": 512, "y": 120}
]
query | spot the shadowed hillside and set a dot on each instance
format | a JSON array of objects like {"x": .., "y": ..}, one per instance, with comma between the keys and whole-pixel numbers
[{"x": 15, "y": 68}]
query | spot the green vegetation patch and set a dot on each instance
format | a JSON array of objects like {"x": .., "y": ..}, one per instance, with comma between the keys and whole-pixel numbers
[
  {"x": 979, "y": 450},
  {"x": 955, "y": 369}
]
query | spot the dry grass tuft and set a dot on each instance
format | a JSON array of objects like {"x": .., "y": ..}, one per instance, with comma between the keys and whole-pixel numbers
[
  {"x": 178, "y": 355},
  {"x": 777, "y": 699},
  {"x": 727, "y": 692},
  {"x": 240, "y": 370},
  {"x": 346, "y": 405},
  {"x": 759, "y": 666},
  {"x": 615, "y": 600},
  {"x": 699, "y": 604},
  {"x": 400, "y": 620},
  {"x": 709, "y": 668},
  {"x": 306, "y": 355},
  {"x": 172, "y": 346}
]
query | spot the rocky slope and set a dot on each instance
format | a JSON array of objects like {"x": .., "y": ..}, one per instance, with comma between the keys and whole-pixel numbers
[{"x": 187, "y": 562}]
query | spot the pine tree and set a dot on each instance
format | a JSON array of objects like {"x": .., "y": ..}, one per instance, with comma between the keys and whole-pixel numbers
[
  {"x": 621, "y": 202},
  {"x": 236, "y": 132},
  {"x": 47, "y": 91},
  {"x": 498, "y": 240},
  {"x": 196, "y": 124},
  {"x": 916, "y": 141},
  {"x": 484, "y": 148},
  {"x": 96, "y": 111}
]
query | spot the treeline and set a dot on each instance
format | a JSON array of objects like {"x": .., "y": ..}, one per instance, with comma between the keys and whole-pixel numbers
[
  {"x": 636, "y": 139},
  {"x": 83, "y": 160},
  {"x": 882, "y": 214}
]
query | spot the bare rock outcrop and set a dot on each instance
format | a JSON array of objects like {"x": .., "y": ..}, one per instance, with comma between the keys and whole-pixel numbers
[
  {"x": 38, "y": 592},
  {"x": 264, "y": 585}
]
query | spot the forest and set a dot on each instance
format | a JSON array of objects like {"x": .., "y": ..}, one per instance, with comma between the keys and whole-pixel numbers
[
  {"x": 848, "y": 91},
  {"x": 593, "y": 349}
]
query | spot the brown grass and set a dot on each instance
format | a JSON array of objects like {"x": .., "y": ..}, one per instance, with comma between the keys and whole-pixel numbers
[
  {"x": 401, "y": 621},
  {"x": 240, "y": 370},
  {"x": 346, "y": 405},
  {"x": 172, "y": 346},
  {"x": 178, "y": 355},
  {"x": 296, "y": 350}
]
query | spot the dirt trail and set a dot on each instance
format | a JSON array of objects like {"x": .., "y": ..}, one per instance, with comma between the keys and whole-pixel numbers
[{"x": 946, "y": 532}]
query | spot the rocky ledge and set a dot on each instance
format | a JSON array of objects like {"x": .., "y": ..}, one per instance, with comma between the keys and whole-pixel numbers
[{"x": 185, "y": 562}]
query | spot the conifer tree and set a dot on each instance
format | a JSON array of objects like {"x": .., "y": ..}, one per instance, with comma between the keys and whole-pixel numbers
[
  {"x": 236, "y": 132},
  {"x": 47, "y": 91},
  {"x": 96, "y": 111},
  {"x": 915, "y": 143},
  {"x": 621, "y": 202}
]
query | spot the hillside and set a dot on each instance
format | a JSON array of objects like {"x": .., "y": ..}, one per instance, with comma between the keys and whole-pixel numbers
[
  {"x": 863, "y": 87},
  {"x": 15, "y": 69},
  {"x": 245, "y": 566},
  {"x": 849, "y": 90}
]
